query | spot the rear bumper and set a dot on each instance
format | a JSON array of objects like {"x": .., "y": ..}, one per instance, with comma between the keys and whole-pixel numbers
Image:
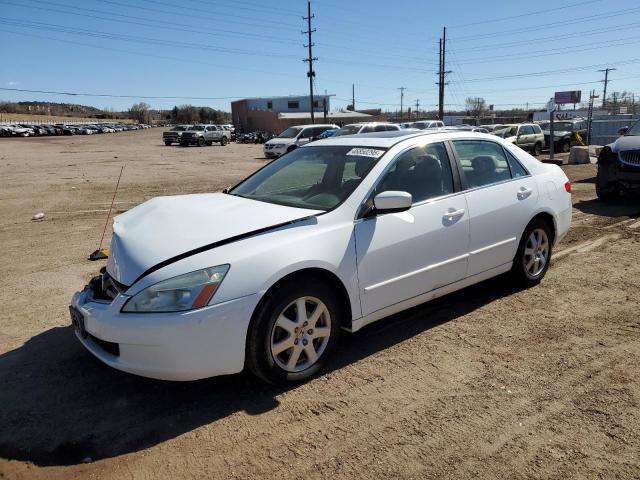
[{"x": 169, "y": 346}]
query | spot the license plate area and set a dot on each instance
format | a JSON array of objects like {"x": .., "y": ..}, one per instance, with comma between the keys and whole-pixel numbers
[{"x": 77, "y": 320}]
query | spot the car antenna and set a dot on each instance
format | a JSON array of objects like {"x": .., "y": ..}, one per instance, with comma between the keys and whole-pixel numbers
[{"x": 102, "y": 253}]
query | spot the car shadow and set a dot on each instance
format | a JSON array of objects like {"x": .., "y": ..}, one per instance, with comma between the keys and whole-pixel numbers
[
  {"x": 61, "y": 406},
  {"x": 624, "y": 207}
]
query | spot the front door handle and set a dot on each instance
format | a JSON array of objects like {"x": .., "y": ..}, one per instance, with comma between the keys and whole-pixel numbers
[
  {"x": 524, "y": 193},
  {"x": 452, "y": 215}
]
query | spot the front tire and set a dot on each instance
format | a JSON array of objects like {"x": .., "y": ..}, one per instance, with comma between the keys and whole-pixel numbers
[
  {"x": 167, "y": 143},
  {"x": 606, "y": 190},
  {"x": 201, "y": 142},
  {"x": 565, "y": 147},
  {"x": 294, "y": 332},
  {"x": 533, "y": 257},
  {"x": 223, "y": 141}
]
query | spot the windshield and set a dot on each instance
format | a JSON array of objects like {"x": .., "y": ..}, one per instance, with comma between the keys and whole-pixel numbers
[
  {"x": 348, "y": 130},
  {"x": 635, "y": 130},
  {"x": 290, "y": 132},
  {"x": 178, "y": 129},
  {"x": 316, "y": 177}
]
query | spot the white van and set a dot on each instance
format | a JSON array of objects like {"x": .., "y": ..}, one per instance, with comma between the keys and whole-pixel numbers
[{"x": 294, "y": 137}]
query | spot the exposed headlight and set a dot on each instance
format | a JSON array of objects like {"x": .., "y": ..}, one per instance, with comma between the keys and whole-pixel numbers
[{"x": 178, "y": 294}]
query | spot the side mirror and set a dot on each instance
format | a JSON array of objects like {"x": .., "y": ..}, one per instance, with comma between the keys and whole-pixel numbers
[
  {"x": 392, "y": 202},
  {"x": 623, "y": 130}
]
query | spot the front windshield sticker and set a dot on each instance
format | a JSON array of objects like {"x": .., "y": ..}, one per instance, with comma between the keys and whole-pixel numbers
[{"x": 366, "y": 152}]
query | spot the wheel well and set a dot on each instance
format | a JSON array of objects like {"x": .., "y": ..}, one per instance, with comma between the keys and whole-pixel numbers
[
  {"x": 324, "y": 276},
  {"x": 548, "y": 218}
]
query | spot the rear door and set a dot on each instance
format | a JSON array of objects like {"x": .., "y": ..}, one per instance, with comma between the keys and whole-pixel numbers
[{"x": 501, "y": 196}]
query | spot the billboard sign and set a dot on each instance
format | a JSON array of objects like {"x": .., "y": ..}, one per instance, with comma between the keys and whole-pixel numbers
[{"x": 568, "y": 97}]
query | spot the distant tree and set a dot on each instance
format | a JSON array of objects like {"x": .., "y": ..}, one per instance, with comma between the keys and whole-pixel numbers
[
  {"x": 174, "y": 114},
  {"x": 141, "y": 112},
  {"x": 476, "y": 106}
]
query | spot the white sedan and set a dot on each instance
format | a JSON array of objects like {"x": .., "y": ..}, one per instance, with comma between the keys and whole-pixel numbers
[{"x": 332, "y": 236}]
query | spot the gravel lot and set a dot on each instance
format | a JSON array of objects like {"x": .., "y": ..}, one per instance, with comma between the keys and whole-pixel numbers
[{"x": 489, "y": 382}]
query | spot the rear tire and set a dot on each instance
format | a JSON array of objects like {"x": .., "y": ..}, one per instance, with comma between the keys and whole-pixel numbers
[
  {"x": 286, "y": 347},
  {"x": 565, "y": 147},
  {"x": 533, "y": 257},
  {"x": 537, "y": 149}
]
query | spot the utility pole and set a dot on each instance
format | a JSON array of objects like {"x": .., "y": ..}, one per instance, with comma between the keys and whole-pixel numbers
[
  {"x": 417, "y": 108},
  {"x": 310, "y": 59},
  {"x": 442, "y": 73},
  {"x": 402, "y": 89},
  {"x": 606, "y": 82},
  {"x": 353, "y": 96},
  {"x": 614, "y": 103}
]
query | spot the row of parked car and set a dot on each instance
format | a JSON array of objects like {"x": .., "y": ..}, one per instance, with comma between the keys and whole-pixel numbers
[
  {"x": 42, "y": 129},
  {"x": 532, "y": 137}
]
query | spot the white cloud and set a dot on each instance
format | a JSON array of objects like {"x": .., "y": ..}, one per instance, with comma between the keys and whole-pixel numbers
[{"x": 12, "y": 84}]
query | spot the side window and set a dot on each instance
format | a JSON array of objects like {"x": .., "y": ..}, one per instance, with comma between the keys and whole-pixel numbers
[
  {"x": 424, "y": 172},
  {"x": 483, "y": 162},
  {"x": 393, "y": 128},
  {"x": 306, "y": 133},
  {"x": 380, "y": 128},
  {"x": 517, "y": 170},
  {"x": 537, "y": 129},
  {"x": 367, "y": 129}
]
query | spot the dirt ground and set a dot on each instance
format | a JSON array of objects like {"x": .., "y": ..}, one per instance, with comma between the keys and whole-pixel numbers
[{"x": 489, "y": 382}]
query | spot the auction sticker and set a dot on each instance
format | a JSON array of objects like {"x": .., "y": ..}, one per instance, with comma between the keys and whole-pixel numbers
[{"x": 366, "y": 152}]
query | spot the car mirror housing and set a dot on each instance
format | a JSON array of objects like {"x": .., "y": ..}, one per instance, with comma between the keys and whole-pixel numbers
[{"x": 392, "y": 202}]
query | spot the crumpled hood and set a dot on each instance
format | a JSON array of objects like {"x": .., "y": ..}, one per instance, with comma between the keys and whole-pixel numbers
[
  {"x": 631, "y": 142},
  {"x": 164, "y": 227}
]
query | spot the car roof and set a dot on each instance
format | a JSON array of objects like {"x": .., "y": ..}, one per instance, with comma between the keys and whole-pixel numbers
[{"x": 390, "y": 138}]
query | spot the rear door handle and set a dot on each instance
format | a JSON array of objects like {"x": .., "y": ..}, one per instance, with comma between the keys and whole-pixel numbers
[
  {"x": 452, "y": 215},
  {"x": 524, "y": 193}
]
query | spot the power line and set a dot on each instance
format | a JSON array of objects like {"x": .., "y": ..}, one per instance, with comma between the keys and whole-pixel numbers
[
  {"x": 109, "y": 95},
  {"x": 546, "y": 26},
  {"x": 528, "y": 14}
]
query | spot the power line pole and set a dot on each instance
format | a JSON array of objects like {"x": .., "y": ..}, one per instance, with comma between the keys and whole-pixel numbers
[
  {"x": 417, "y": 108},
  {"x": 442, "y": 73},
  {"x": 606, "y": 82},
  {"x": 353, "y": 96},
  {"x": 402, "y": 89},
  {"x": 310, "y": 59}
]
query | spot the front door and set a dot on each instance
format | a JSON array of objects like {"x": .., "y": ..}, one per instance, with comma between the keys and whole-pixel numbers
[
  {"x": 501, "y": 196},
  {"x": 402, "y": 255}
]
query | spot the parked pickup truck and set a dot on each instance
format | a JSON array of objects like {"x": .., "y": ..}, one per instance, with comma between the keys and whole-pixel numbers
[
  {"x": 173, "y": 135},
  {"x": 202, "y": 135}
]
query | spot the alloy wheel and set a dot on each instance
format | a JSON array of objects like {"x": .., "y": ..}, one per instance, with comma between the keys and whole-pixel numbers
[
  {"x": 536, "y": 252},
  {"x": 300, "y": 334}
]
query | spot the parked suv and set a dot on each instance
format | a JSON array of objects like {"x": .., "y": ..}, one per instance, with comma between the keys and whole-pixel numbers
[
  {"x": 619, "y": 165},
  {"x": 566, "y": 133},
  {"x": 173, "y": 135},
  {"x": 294, "y": 137},
  {"x": 427, "y": 124},
  {"x": 202, "y": 135},
  {"x": 527, "y": 136},
  {"x": 357, "y": 128}
]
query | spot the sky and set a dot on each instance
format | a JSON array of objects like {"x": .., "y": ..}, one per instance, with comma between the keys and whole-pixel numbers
[{"x": 509, "y": 53}]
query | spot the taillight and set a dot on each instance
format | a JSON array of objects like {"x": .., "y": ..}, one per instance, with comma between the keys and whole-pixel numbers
[{"x": 567, "y": 187}]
